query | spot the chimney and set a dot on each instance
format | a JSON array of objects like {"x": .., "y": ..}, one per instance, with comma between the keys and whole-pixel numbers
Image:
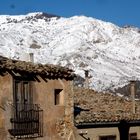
[
  {"x": 31, "y": 57},
  {"x": 86, "y": 79},
  {"x": 132, "y": 90}
]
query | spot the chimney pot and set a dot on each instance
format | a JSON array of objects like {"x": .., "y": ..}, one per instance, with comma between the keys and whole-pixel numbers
[
  {"x": 31, "y": 57},
  {"x": 132, "y": 90}
]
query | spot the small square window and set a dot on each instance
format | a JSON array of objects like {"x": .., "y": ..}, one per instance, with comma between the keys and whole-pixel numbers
[{"x": 57, "y": 97}]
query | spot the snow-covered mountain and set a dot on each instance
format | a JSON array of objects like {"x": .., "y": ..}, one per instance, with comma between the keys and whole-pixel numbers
[{"x": 110, "y": 53}]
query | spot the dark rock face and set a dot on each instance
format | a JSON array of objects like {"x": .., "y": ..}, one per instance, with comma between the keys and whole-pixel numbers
[
  {"x": 45, "y": 15},
  {"x": 35, "y": 17},
  {"x": 125, "y": 91}
]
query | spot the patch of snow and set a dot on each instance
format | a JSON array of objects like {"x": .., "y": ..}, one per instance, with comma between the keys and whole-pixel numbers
[{"x": 110, "y": 53}]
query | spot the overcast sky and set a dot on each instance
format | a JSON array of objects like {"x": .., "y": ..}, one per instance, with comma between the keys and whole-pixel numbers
[{"x": 120, "y": 12}]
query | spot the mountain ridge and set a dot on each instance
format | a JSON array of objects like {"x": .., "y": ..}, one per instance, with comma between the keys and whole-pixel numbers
[{"x": 110, "y": 53}]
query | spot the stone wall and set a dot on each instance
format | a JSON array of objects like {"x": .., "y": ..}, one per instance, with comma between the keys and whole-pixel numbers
[{"x": 66, "y": 125}]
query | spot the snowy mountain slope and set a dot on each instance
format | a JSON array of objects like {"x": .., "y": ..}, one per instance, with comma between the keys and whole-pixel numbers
[{"x": 110, "y": 53}]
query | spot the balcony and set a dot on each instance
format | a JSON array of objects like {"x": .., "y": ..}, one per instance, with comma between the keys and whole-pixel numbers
[{"x": 26, "y": 121}]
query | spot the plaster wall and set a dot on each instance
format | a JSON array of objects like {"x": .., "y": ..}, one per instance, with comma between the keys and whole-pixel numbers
[
  {"x": 6, "y": 99},
  {"x": 57, "y": 119},
  {"x": 95, "y": 133}
]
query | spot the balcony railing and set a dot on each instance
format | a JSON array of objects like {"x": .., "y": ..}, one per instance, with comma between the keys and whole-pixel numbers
[{"x": 26, "y": 121}]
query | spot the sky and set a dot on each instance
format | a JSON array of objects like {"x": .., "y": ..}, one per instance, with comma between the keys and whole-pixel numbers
[{"x": 119, "y": 12}]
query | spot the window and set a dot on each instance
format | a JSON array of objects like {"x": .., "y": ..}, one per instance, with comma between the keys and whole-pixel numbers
[
  {"x": 26, "y": 117},
  {"x": 111, "y": 137},
  {"x": 17, "y": 91},
  {"x": 57, "y": 96},
  {"x": 26, "y": 92},
  {"x": 133, "y": 136},
  {"x": 22, "y": 92}
]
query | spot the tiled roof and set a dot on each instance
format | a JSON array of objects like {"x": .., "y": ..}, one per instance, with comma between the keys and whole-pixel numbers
[
  {"x": 93, "y": 107},
  {"x": 48, "y": 71}
]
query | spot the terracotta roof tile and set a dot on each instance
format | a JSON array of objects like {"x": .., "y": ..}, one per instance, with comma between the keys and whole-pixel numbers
[
  {"x": 48, "y": 70},
  {"x": 92, "y": 107}
]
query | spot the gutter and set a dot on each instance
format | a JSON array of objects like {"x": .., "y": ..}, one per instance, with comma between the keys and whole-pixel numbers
[{"x": 106, "y": 124}]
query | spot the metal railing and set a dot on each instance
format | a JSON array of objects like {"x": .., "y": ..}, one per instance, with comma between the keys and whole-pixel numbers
[{"x": 26, "y": 121}]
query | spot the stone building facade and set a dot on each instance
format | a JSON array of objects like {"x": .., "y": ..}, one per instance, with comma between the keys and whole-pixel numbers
[{"x": 36, "y": 101}]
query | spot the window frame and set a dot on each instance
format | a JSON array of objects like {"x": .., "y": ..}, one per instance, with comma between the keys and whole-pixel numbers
[
  {"x": 20, "y": 94},
  {"x": 107, "y": 137},
  {"x": 133, "y": 136}
]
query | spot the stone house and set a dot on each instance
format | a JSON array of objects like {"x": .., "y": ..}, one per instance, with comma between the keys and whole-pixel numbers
[
  {"x": 105, "y": 116},
  {"x": 36, "y": 101}
]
